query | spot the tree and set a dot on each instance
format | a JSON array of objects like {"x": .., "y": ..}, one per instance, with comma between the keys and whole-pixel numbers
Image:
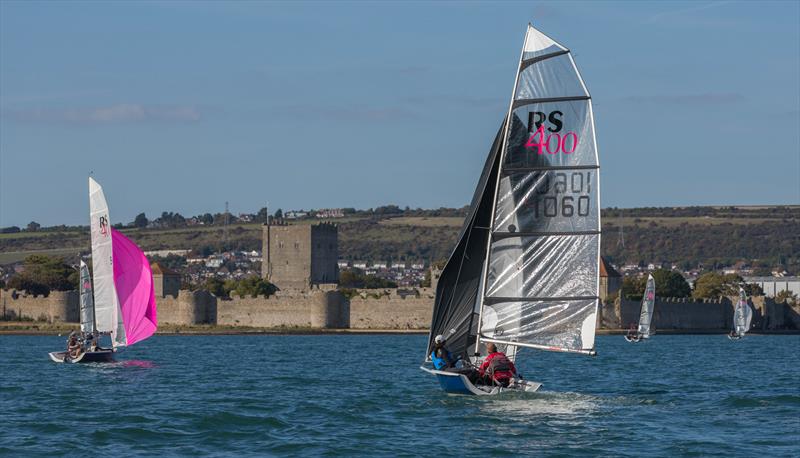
[
  {"x": 10, "y": 230},
  {"x": 33, "y": 226},
  {"x": 215, "y": 286},
  {"x": 278, "y": 214},
  {"x": 42, "y": 274},
  {"x": 253, "y": 286},
  {"x": 711, "y": 285},
  {"x": 671, "y": 284},
  {"x": 633, "y": 287},
  {"x": 140, "y": 221},
  {"x": 356, "y": 279}
]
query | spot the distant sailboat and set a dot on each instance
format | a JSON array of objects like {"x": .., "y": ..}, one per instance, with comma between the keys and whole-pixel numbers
[
  {"x": 122, "y": 302},
  {"x": 645, "y": 314},
  {"x": 525, "y": 270},
  {"x": 742, "y": 316}
]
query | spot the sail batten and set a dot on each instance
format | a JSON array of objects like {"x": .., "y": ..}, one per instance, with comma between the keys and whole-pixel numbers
[{"x": 542, "y": 261}]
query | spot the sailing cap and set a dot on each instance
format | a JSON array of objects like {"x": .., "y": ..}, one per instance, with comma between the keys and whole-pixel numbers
[{"x": 439, "y": 339}]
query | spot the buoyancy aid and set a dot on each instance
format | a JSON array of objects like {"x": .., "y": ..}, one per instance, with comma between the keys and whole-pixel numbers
[
  {"x": 441, "y": 358},
  {"x": 499, "y": 363}
]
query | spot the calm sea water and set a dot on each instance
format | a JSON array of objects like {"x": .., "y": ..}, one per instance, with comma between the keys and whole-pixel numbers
[{"x": 364, "y": 395}]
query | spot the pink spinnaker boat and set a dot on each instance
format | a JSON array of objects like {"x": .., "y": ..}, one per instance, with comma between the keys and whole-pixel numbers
[{"x": 122, "y": 303}]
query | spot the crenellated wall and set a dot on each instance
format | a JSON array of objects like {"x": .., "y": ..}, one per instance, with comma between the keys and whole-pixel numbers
[
  {"x": 687, "y": 314},
  {"x": 58, "y": 306},
  {"x": 327, "y": 307},
  {"x": 392, "y": 309}
]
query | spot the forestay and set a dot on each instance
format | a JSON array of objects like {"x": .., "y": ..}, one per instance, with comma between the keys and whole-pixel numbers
[
  {"x": 648, "y": 301},
  {"x": 106, "y": 305},
  {"x": 87, "y": 301},
  {"x": 542, "y": 270}
]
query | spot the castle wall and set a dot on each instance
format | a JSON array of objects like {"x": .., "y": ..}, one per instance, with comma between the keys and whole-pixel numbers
[
  {"x": 189, "y": 307},
  {"x": 684, "y": 313},
  {"x": 58, "y": 306},
  {"x": 392, "y": 311},
  {"x": 316, "y": 309}
]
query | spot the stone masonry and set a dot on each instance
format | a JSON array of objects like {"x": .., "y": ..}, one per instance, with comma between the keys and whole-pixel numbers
[{"x": 297, "y": 257}]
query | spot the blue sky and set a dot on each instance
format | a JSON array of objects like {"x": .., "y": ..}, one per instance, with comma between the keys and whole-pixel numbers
[{"x": 180, "y": 106}]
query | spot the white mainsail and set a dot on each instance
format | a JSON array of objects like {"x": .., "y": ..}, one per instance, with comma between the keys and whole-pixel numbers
[
  {"x": 106, "y": 303},
  {"x": 542, "y": 267},
  {"x": 87, "y": 302},
  {"x": 742, "y": 315},
  {"x": 648, "y": 301}
]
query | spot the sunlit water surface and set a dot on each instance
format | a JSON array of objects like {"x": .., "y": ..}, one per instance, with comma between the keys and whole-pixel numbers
[{"x": 364, "y": 395}]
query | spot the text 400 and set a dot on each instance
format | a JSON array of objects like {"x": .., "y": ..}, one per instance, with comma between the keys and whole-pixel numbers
[{"x": 545, "y": 141}]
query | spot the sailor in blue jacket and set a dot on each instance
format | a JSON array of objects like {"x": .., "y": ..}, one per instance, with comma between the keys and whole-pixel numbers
[{"x": 442, "y": 359}]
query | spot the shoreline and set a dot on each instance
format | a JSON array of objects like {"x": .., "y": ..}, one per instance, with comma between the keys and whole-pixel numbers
[{"x": 34, "y": 328}]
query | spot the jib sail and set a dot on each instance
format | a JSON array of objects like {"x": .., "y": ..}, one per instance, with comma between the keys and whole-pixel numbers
[
  {"x": 87, "y": 301},
  {"x": 457, "y": 304}
]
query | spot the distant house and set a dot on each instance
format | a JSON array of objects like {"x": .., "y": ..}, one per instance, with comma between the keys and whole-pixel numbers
[
  {"x": 330, "y": 213},
  {"x": 295, "y": 214},
  {"x": 343, "y": 264},
  {"x": 378, "y": 265},
  {"x": 214, "y": 262},
  {"x": 610, "y": 279},
  {"x": 360, "y": 265}
]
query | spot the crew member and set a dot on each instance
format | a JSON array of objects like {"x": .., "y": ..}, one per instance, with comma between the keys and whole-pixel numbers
[
  {"x": 441, "y": 357},
  {"x": 73, "y": 345},
  {"x": 497, "y": 369}
]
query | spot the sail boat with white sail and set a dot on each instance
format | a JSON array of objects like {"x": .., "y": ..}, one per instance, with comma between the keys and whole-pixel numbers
[
  {"x": 525, "y": 270},
  {"x": 742, "y": 316},
  {"x": 122, "y": 303},
  {"x": 645, "y": 314}
]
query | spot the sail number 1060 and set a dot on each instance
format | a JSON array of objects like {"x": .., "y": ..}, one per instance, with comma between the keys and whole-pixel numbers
[{"x": 563, "y": 194}]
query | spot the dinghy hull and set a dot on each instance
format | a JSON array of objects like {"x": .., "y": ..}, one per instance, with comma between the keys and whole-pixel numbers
[
  {"x": 455, "y": 383},
  {"x": 99, "y": 356}
]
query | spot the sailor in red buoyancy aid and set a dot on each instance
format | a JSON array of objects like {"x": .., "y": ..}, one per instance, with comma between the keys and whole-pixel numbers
[{"x": 497, "y": 369}]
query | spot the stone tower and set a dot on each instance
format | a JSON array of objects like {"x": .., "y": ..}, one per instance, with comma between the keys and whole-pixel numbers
[{"x": 297, "y": 257}]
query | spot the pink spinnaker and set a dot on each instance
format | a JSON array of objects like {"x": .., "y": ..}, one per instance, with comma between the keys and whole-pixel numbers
[{"x": 134, "y": 282}]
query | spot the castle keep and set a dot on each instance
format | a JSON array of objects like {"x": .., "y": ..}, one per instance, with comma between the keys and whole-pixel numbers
[{"x": 299, "y": 257}]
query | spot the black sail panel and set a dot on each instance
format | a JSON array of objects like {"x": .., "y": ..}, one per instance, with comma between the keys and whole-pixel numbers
[{"x": 455, "y": 311}]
